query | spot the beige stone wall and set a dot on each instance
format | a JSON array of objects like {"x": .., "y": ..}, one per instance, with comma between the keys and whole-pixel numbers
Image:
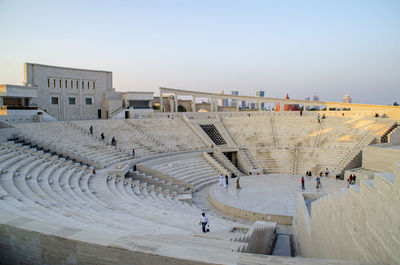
[
  {"x": 21, "y": 246},
  {"x": 380, "y": 159},
  {"x": 53, "y": 81},
  {"x": 355, "y": 226},
  {"x": 249, "y": 215}
]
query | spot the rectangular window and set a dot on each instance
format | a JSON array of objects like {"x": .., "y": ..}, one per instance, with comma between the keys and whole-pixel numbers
[
  {"x": 94, "y": 85},
  {"x": 83, "y": 85},
  {"x": 88, "y": 101},
  {"x": 60, "y": 83},
  {"x": 72, "y": 84},
  {"x": 88, "y": 85},
  {"x": 71, "y": 101},
  {"x": 48, "y": 82},
  {"x": 54, "y": 100},
  {"x": 54, "y": 83},
  {"x": 77, "y": 84},
  {"x": 66, "y": 84}
]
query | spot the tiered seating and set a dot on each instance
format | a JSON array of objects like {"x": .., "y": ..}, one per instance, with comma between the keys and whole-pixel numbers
[
  {"x": 36, "y": 185},
  {"x": 62, "y": 138},
  {"x": 249, "y": 131},
  {"x": 293, "y": 144},
  {"x": 127, "y": 137},
  {"x": 171, "y": 132},
  {"x": 190, "y": 168}
]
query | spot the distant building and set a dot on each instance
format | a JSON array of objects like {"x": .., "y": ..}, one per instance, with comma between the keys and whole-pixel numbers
[
  {"x": 315, "y": 98},
  {"x": 233, "y": 101},
  {"x": 260, "y": 93},
  {"x": 347, "y": 98},
  {"x": 222, "y": 102}
]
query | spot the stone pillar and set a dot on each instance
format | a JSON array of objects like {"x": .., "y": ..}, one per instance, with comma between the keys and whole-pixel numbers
[
  {"x": 238, "y": 105},
  {"x": 193, "y": 104},
  {"x": 281, "y": 106},
  {"x": 161, "y": 102},
  {"x": 212, "y": 105},
  {"x": 176, "y": 102}
]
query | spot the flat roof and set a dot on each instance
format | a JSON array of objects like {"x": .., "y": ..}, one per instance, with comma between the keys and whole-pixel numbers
[{"x": 68, "y": 68}]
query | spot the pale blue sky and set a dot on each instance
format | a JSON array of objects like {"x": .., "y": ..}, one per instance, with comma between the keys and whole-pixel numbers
[{"x": 329, "y": 48}]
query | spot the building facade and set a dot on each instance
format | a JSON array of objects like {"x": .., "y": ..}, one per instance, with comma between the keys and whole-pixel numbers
[
  {"x": 260, "y": 93},
  {"x": 68, "y": 93}
]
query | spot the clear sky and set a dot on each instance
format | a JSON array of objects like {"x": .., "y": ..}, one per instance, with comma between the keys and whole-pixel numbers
[{"x": 328, "y": 48}]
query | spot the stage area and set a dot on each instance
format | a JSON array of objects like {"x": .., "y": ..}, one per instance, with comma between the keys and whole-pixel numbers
[{"x": 271, "y": 197}]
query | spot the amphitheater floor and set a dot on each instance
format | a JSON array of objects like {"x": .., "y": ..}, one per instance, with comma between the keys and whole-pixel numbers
[{"x": 274, "y": 194}]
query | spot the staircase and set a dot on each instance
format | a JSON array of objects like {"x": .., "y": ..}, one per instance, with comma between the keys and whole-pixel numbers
[
  {"x": 294, "y": 157},
  {"x": 385, "y": 137},
  {"x": 318, "y": 136},
  {"x": 273, "y": 132},
  {"x": 149, "y": 137},
  {"x": 349, "y": 157}
]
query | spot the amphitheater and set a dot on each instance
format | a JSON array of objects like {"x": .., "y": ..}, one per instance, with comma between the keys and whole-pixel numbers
[{"x": 69, "y": 197}]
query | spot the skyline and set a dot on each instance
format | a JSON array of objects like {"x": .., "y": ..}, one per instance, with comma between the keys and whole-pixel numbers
[{"x": 298, "y": 48}]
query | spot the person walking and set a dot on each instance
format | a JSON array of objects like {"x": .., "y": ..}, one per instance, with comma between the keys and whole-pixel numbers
[
  {"x": 91, "y": 130},
  {"x": 326, "y": 172},
  {"x": 221, "y": 180},
  {"x": 238, "y": 184},
  {"x": 113, "y": 142},
  {"x": 302, "y": 183},
  {"x": 318, "y": 179},
  {"x": 133, "y": 153},
  {"x": 203, "y": 222},
  {"x": 102, "y": 136}
]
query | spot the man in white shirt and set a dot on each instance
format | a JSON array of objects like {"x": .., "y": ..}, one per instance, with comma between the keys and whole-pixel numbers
[
  {"x": 203, "y": 222},
  {"x": 221, "y": 180}
]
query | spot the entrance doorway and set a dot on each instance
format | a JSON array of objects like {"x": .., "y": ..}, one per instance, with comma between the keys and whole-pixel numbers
[
  {"x": 99, "y": 113},
  {"x": 232, "y": 156},
  {"x": 127, "y": 114}
]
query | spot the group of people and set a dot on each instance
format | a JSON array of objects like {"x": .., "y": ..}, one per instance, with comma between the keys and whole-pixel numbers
[
  {"x": 318, "y": 179},
  {"x": 319, "y": 117},
  {"x": 113, "y": 141},
  {"x": 224, "y": 181},
  {"x": 352, "y": 179}
]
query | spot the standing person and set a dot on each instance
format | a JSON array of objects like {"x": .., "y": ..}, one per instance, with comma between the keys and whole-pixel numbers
[
  {"x": 91, "y": 129},
  {"x": 203, "y": 222},
  {"x": 113, "y": 142},
  {"x": 221, "y": 180},
  {"x": 102, "y": 136},
  {"x": 319, "y": 118},
  {"x": 302, "y": 183},
  {"x": 133, "y": 153},
  {"x": 226, "y": 180},
  {"x": 238, "y": 184},
  {"x": 354, "y": 179},
  {"x": 318, "y": 179},
  {"x": 326, "y": 172}
]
